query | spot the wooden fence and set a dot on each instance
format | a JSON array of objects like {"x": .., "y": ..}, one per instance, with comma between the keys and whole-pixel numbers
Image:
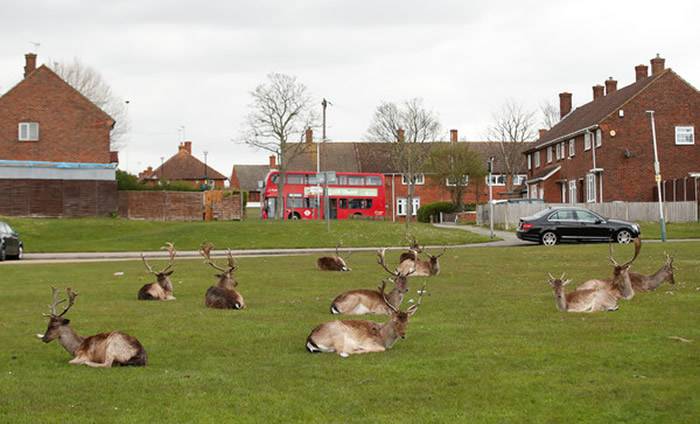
[
  {"x": 510, "y": 214},
  {"x": 180, "y": 205}
]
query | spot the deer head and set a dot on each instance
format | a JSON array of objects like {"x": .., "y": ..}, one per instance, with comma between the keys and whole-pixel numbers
[
  {"x": 434, "y": 259},
  {"x": 558, "y": 285},
  {"x": 342, "y": 259},
  {"x": 413, "y": 244},
  {"x": 56, "y": 320},
  {"x": 226, "y": 275},
  {"x": 162, "y": 275},
  {"x": 399, "y": 278},
  {"x": 668, "y": 268},
  {"x": 399, "y": 319}
]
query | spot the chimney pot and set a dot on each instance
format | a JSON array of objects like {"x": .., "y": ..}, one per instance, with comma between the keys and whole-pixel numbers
[
  {"x": 400, "y": 135},
  {"x": 641, "y": 72},
  {"x": 657, "y": 65},
  {"x": 610, "y": 86},
  {"x": 598, "y": 91},
  {"x": 188, "y": 146},
  {"x": 309, "y": 135},
  {"x": 273, "y": 161},
  {"x": 454, "y": 136},
  {"x": 564, "y": 104},
  {"x": 30, "y": 64}
]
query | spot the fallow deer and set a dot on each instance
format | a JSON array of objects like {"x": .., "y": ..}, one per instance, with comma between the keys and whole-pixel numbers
[
  {"x": 589, "y": 300},
  {"x": 414, "y": 249},
  {"x": 422, "y": 268},
  {"x": 350, "y": 337},
  {"x": 620, "y": 285},
  {"x": 644, "y": 283},
  {"x": 224, "y": 294},
  {"x": 101, "y": 350},
  {"x": 334, "y": 263},
  {"x": 162, "y": 289},
  {"x": 365, "y": 301}
]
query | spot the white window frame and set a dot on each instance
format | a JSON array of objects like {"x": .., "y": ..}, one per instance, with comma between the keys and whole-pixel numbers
[
  {"x": 529, "y": 161},
  {"x": 549, "y": 154},
  {"x": 465, "y": 181},
  {"x": 420, "y": 179},
  {"x": 563, "y": 193},
  {"x": 563, "y": 149},
  {"x": 572, "y": 147},
  {"x": 683, "y": 133},
  {"x": 402, "y": 205},
  {"x": 537, "y": 159},
  {"x": 573, "y": 195},
  {"x": 519, "y": 179},
  {"x": 587, "y": 141},
  {"x": 496, "y": 178},
  {"x": 598, "y": 137},
  {"x": 533, "y": 191},
  {"x": 558, "y": 151},
  {"x": 590, "y": 188},
  {"x": 26, "y": 128}
]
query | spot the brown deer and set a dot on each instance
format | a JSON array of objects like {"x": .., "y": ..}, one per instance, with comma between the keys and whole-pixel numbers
[
  {"x": 334, "y": 263},
  {"x": 414, "y": 249},
  {"x": 645, "y": 283},
  {"x": 162, "y": 289},
  {"x": 365, "y": 301},
  {"x": 350, "y": 337},
  {"x": 588, "y": 300},
  {"x": 620, "y": 285},
  {"x": 422, "y": 268},
  {"x": 101, "y": 350},
  {"x": 224, "y": 294}
]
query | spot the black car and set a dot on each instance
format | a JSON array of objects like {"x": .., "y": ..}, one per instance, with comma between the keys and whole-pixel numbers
[
  {"x": 552, "y": 226},
  {"x": 11, "y": 247}
]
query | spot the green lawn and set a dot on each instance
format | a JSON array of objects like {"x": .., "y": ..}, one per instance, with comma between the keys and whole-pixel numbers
[
  {"x": 487, "y": 345},
  {"x": 114, "y": 235},
  {"x": 652, "y": 230}
]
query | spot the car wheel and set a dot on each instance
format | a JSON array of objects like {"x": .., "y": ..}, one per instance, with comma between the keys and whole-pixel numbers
[
  {"x": 549, "y": 238},
  {"x": 3, "y": 256},
  {"x": 294, "y": 216},
  {"x": 623, "y": 237},
  {"x": 20, "y": 253}
]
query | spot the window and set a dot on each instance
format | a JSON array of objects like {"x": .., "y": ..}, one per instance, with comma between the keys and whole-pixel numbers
[
  {"x": 549, "y": 154},
  {"x": 558, "y": 147},
  {"x": 563, "y": 149},
  {"x": 28, "y": 131},
  {"x": 373, "y": 181},
  {"x": 402, "y": 206},
  {"x": 562, "y": 215},
  {"x": 343, "y": 203},
  {"x": 519, "y": 179},
  {"x": 311, "y": 202},
  {"x": 590, "y": 188},
  {"x": 586, "y": 216},
  {"x": 572, "y": 191},
  {"x": 311, "y": 179},
  {"x": 342, "y": 179},
  {"x": 685, "y": 135},
  {"x": 451, "y": 182},
  {"x": 533, "y": 191},
  {"x": 598, "y": 138},
  {"x": 295, "y": 179},
  {"x": 360, "y": 203},
  {"x": 572, "y": 147},
  {"x": 587, "y": 141},
  {"x": 496, "y": 180},
  {"x": 529, "y": 161},
  {"x": 295, "y": 201},
  {"x": 418, "y": 179},
  {"x": 356, "y": 181},
  {"x": 537, "y": 159}
]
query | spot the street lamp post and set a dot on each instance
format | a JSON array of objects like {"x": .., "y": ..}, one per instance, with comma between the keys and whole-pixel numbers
[
  {"x": 490, "y": 169},
  {"x": 657, "y": 176},
  {"x": 206, "y": 176}
]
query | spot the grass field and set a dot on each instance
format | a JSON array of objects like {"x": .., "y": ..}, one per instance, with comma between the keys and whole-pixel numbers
[
  {"x": 116, "y": 235},
  {"x": 651, "y": 230},
  {"x": 487, "y": 345}
]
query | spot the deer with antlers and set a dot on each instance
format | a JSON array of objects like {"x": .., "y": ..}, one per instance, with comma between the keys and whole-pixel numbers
[
  {"x": 162, "y": 289},
  {"x": 588, "y": 300},
  {"x": 224, "y": 294},
  {"x": 414, "y": 249},
  {"x": 620, "y": 285},
  {"x": 645, "y": 283},
  {"x": 422, "y": 268},
  {"x": 365, "y": 301},
  {"x": 101, "y": 350},
  {"x": 334, "y": 263},
  {"x": 350, "y": 337}
]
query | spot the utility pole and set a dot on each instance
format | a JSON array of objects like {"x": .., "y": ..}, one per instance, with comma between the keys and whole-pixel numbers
[
  {"x": 324, "y": 105},
  {"x": 206, "y": 176},
  {"x": 490, "y": 169},
  {"x": 657, "y": 176}
]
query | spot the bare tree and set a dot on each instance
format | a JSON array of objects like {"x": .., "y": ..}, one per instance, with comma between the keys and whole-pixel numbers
[
  {"x": 455, "y": 164},
  {"x": 280, "y": 113},
  {"x": 512, "y": 126},
  {"x": 408, "y": 127},
  {"x": 550, "y": 115},
  {"x": 90, "y": 84}
]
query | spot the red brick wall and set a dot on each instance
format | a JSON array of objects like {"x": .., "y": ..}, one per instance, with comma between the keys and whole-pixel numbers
[
  {"x": 71, "y": 129},
  {"x": 175, "y": 206},
  {"x": 56, "y": 198}
]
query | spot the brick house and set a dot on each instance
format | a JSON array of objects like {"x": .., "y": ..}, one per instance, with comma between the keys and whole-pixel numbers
[
  {"x": 376, "y": 158},
  {"x": 245, "y": 178},
  {"x": 55, "y": 158},
  {"x": 184, "y": 167},
  {"x": 602, "y": 151}
]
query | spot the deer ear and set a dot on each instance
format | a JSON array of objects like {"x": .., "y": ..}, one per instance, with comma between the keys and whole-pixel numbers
[
  {"x": 169, "y": 273},
  {"x": 218, "y": 275}
]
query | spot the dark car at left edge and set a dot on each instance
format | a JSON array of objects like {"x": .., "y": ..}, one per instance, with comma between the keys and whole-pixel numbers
[{"x": 11, "y": 246}]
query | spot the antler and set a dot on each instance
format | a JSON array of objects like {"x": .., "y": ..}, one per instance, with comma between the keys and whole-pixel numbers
[
  {"x": 413, "y": 308},
  {"x": 55, "y": 302},
  {"x": 381, "y": 291},
  {"x": 413, "y": 243},
  {"x": 637, "y": 249},
  {"x": 171, "y": 253},
  {"x": 381, "y": 261},
  {"x": 231, "y": 260},
  {"x": 148, "y": 267},
  {"x": 444, "y": 249},
  {"x": 205, "y": 250}
]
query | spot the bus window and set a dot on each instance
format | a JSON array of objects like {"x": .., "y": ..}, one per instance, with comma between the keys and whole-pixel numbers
[
  {"x": 343, "y": 203},
  {"x": 311, "y": 202},
  {"x": 295, "y": 179},
  {"x": 353, "y": 181},
  {"x": 342, "y": 180},
  {"x": 311, "y": 179},
  {"x": 275, "y": 178},
  {"x": 374, "y": 181},
  {"x": 360, "y": 203},
  {"x": 294, "y": 202}
]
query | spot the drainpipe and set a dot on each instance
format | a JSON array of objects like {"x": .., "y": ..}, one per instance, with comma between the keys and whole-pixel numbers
[{"x": 393, "y": 199}]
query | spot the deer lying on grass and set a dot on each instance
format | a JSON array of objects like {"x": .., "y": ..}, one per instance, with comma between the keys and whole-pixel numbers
[
  {"x": 414, "y": 249},
  {"x": 359, "y": 336},
  {"x": 224, "y": 294},
  {"x": 422, "y": 268},
  {"x": 620, "y": 285},
  {"x": 162, "y": 289},
  {"x": 588, "y": 300},
  {"x": 644, "y": 283},
  {"x": 333, "y": 263},
  {"x": 101, "y": 350},
  {"x": 365, "y": 301}
]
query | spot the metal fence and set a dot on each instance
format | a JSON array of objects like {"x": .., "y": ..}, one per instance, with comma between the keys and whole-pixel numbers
[{"x": 509, "y": 214}]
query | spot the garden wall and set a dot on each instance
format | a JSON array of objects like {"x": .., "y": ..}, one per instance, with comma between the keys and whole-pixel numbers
[
  {"x": 57, "y": 198},
  {"x": 178, "y": 205}
]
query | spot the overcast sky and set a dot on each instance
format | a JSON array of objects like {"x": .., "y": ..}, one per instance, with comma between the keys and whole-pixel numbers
[{"x": 194, "y": 63}]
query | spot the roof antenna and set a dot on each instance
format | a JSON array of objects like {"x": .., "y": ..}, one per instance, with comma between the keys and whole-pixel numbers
[{"x": 36, "y": 46}]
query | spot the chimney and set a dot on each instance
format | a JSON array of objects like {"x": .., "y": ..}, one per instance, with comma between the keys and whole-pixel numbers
[
  {"x": 400, "y": 135},
  {"x": 610, "y": 86},
  {"x": 273, "y": 161},
  {"x": 309, "y": 135},
  {"x": 453, "y": 136},
  {"x": 113, "y": 156},
  {"x": 543, "y": 131},
  {"x": 188, "y": 146},
  {"x": 641, "y": 72},
  {"x": 598, "y": 91},
  {"x": 657, "y": 65},
  {"x": 30, "y": 64},
  {"x": 564, "y": 104}
]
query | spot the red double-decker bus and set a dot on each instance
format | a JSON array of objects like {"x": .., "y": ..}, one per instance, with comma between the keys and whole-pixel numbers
[{"x": 352, "y": 195}]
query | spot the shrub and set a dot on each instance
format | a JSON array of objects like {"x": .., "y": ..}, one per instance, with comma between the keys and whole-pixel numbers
[{"x": 434, "y": 209}]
